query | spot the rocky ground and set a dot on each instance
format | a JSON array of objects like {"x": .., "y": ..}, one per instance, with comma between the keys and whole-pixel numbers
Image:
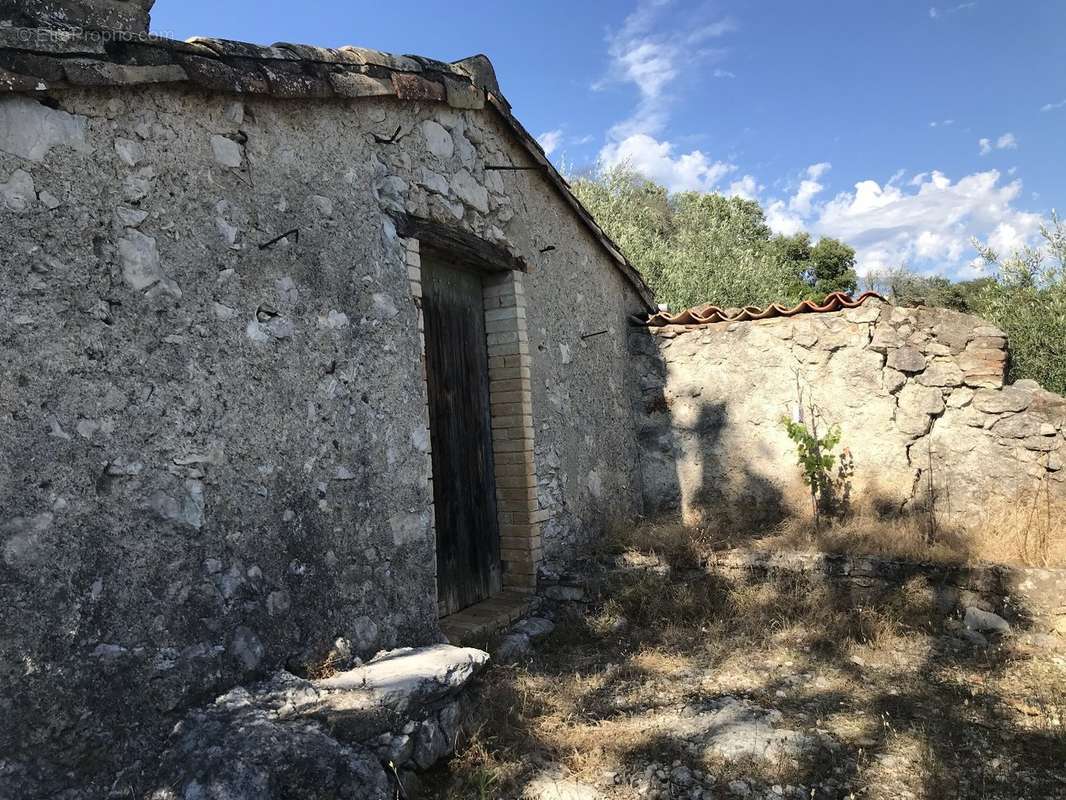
[{"x": 714, "y": 686}]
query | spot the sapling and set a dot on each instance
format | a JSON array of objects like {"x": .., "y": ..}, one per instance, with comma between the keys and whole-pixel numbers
[{"x": 830, "y": 492}]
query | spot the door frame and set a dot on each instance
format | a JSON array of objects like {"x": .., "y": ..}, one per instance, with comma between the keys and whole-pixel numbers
[{"x": 510, "y": 393}]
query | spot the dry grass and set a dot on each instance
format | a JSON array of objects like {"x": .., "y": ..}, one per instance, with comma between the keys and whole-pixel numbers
[
  {"x": 656, "y": 642},
  {"x": 1030, "y": 532}
]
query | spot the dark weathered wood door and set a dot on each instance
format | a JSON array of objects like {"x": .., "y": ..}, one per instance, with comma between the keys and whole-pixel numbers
[{"x": 464, "y": 485}]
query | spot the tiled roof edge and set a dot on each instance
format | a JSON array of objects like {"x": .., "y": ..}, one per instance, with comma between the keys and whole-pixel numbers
[
  {"x": 36, "y": 60},
  {"x": 710, "y": 314}
]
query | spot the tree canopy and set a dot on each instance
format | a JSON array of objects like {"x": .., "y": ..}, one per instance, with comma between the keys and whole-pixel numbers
[{"x": 695, "y": 248}]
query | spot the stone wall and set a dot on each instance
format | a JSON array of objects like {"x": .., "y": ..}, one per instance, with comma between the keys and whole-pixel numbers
[
  {"x": 107, "y": 15},
  {"x": 213, "y": 460},
  {"x": 918, "y": 394}
]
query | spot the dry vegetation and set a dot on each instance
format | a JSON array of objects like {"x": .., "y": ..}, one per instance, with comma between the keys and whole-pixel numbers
[
  {"x": 917, "y": 711},
  {"x": 1030, "y": 532}
]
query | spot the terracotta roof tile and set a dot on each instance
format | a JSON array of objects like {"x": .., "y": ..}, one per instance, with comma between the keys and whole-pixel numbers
[{"x": 708, "y": 314}]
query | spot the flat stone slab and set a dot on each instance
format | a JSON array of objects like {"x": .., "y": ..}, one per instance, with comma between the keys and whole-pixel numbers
[{"x": 410, "y": 677}]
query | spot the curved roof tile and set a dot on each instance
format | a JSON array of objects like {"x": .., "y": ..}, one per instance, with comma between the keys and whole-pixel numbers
[{"x": 709, "y": 314}]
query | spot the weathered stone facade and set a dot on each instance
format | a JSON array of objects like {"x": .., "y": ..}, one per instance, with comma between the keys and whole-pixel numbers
[
  {"x": 214, "y": 453},
  {"x": 918, "y": 394},
  {"x": 96, "y": 15}
]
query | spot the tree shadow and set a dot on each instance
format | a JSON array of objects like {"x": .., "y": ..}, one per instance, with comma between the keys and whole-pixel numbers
[{"x": 913, "y": 703}]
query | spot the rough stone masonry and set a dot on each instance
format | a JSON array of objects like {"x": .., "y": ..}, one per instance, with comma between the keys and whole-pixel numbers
[
  {"x": 213, "y": 438},
  {"x": 918, "y": 393}
]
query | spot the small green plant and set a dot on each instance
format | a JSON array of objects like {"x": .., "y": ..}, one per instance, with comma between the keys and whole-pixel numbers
[{"x": 827, "y": 475}]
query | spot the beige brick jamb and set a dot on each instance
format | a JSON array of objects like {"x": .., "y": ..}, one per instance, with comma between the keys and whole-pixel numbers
[
  {"x": 511, "y": 401},
  {"x": 511, "y": 404}
]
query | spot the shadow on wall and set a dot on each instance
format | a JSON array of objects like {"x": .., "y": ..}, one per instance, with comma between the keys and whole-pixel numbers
[{"x": 687, "y": 463}]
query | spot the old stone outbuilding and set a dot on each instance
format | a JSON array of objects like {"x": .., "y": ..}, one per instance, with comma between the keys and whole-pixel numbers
[
  {"x": 300, "y": 345},
  {"x": 306, "y": 350}
]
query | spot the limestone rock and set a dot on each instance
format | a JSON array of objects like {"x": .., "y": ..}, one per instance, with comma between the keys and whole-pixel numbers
[
  {"x": 29, "y": 129},
  {"x": 409, "y": 677},
  {"x": 19, "y": 193},
  {"x": 941, "y": 373},
  {"x": 553, "y": 785},
  {"x": 471, "y": 192},
  {"x": 438, "y": 140},
  {"x": 1021, "y": 426},
  {"x": 906, "y": 359},
  {"x": 227, "y": 152},
  {"x": 511, "y": 648},
  {"x": 142, "y": 268},
  {"x": 534, "y": 627},
  {"x": 915, "y": 400},
  {"x": 1008, "y": 399},
  {"x": 244, "y": 747},
  {"x": 985, "y": 621}
]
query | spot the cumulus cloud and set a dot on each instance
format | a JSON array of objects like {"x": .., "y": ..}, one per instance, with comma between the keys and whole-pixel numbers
[
  {"x": 657, "y": 160},
  {"x": 649, "y": 56},
  {"x": 1005, "y": 142},
  {"x": 746, "y": 187},
  {"x": 550, "y": 140},
  {"x": 790, "y": 216},
  {"x": 934, "y": 222}
]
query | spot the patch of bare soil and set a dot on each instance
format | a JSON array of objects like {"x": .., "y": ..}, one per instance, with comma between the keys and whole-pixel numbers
[{"x": 719, "y": 687}]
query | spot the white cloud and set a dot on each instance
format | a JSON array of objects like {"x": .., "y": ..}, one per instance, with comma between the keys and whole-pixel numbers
[
  {"x": 782, "y": 220},
  {"x": 815, "y": 171},
  {"x": 550, "y": 140},
  {"x": 801, "y": 200},
  {"x": 650, "y": 56},
  {"x": 723, "y": 73},
  {"x": 934, "y": 223},
  {"x": 656, "y": 160},
  {"x": 936, "y": 13},
  {"x": 941, "y": 123},
  {"x": 1005, "y": 142},
  {"x": 1053, "y": 106},
  {"x": 747, "y": 188},
  {"x": 789, "y": 217}
]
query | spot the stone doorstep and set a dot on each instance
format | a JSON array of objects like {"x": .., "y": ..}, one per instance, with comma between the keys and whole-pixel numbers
[{"x": 486, "y": 617}]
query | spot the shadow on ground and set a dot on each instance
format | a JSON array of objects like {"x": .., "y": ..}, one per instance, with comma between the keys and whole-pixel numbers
[{"x": 886, "y": 694}]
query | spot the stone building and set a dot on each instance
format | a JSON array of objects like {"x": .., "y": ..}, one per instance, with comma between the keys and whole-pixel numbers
[{"x": 299, "y": 345}]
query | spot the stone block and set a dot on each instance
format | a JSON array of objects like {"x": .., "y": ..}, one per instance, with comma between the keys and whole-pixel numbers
[{"x": 906, "y": 359}]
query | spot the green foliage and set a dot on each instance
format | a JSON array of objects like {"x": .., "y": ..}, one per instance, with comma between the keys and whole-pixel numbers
[
  {"x": 833, "y": 267},
  {"x": 830, "y": 492},
  {"x": 1026, "y": 298},
  {"x": 695, "y": 248},
  {"x": 907, "y": 288}
]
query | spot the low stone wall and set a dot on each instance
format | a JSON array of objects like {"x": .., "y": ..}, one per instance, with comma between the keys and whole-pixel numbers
[{"x": 918, "y": 393}]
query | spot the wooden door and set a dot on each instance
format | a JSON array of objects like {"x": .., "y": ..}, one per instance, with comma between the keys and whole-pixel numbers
[{"x": 464, "y": 485}]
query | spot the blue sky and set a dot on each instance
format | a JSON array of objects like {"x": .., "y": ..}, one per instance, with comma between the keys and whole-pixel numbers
[{"x": 904, "y": 128}]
